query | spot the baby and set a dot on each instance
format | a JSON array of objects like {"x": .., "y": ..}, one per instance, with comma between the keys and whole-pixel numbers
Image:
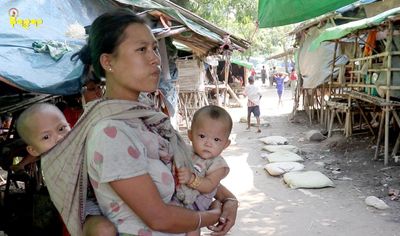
[
  {"x": 42, "y": 126},
  {"x": 209, "y": 133}
]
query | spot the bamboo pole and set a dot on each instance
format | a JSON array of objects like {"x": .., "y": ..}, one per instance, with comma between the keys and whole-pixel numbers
[
  {"x": 227, "y": 67},
  {"x": 378, "y": 142},
  {"x": 348, "y": 125},
  {"x": 388, "y": 82},
  {"x": 331, "y": 80},
  {"x": 397, "y": 144},
  {"x": 233, "y": 94},
  {"x": 216, "y": 81}
]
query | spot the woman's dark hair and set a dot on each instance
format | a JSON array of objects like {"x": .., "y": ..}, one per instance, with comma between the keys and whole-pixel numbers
[{"x": 105, "y": 34}]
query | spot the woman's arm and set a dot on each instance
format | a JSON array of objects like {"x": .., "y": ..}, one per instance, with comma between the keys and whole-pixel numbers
[
  {"x": 142, "y": 196},
  {"x": 229, "y": 211}
]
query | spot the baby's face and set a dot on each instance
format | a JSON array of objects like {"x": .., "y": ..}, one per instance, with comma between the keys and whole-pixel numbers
[
  {"x": 209, "y": 138},
  {"x": 47, "y": 128}
]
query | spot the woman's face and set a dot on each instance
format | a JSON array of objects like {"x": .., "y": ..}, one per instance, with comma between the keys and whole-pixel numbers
[{"x": 134, "y": 67}]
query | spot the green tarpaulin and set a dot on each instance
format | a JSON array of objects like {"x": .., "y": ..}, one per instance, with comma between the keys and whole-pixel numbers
[
  {"x": 246, "y": 64},
  {"x": 273, "y": 13},
  {"x": 340, "y": 31}
]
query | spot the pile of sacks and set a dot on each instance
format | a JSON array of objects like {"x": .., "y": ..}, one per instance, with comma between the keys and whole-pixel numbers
[{"x": 283, "y": 160}]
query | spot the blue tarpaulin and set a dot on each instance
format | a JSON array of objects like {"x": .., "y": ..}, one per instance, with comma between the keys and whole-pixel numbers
[
  {"x": 35, "y": 50},
  {"x": 23, "y": 23}
]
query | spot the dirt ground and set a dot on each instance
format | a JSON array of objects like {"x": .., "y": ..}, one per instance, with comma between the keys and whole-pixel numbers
[{"x": 269, "y": 207}]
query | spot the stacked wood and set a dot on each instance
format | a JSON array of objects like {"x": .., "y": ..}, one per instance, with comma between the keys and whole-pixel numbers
[{"x": 191, "y": 75}]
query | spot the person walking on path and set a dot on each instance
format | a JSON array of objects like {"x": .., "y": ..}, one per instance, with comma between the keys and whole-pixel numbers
[
  {"x": 253, "y": 102},
  {"x": 293, "y": 82},
  {"x": 272, "y": 75},
  {"x": 263, "y": 75},
  {"x": 280, "y": 84}
]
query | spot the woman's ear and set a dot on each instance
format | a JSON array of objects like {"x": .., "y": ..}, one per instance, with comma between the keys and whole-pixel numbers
[
  {"x": 32, "y": 151},
  {"x": 105, "y": 61}
]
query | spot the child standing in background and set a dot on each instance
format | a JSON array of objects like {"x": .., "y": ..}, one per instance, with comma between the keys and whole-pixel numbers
[{"x": 253, "y": 102}]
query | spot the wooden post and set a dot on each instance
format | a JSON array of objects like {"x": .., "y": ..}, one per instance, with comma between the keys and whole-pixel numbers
[
  {"x": 227, "y": 67},
  {"x": 331, "y": 122},
  {"x": 233, "y": 94},
  {"x": 388, "y": 83},
  {"x": 331, "y": 77},
  {"x": 378, "y": 142},
  {"x": 216, "y": 81},
  {"x": 355, "y": 56},
  {"x": 348, "y": 124},
  {"x": 397, "y": 144}
]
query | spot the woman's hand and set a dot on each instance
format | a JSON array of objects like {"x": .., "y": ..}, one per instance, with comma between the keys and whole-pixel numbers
[
  {"x": 229, "y": 211},
  {"x": 227, "y": 218},
  {"x": 216, "y": 206}
]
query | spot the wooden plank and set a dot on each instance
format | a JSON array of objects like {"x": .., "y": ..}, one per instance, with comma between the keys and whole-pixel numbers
[
  {"x": 233, "y": 94},
  {"x": 378, "y": 140},
  {"x": 372, "y": 99},
  {"x": 388, "y": 82},
  {"x": 26, "y": 102}
]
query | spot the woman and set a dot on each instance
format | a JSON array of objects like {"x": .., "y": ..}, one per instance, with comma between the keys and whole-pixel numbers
[{"x": 128, "y": 145}]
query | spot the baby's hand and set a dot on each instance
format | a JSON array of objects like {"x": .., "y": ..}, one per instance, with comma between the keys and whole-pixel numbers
[
  {"x": 184, "y": 175},
  {"x": 17, "y": 168}
]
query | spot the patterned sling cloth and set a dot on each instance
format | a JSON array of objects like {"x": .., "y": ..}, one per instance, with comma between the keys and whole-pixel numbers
[{"x": 65, "y": 168}]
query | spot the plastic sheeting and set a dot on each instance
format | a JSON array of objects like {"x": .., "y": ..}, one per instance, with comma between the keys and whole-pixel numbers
[
  {"x": 345, "y": 29},
  {"x": 38, "y": 21},
  {"x": 273, "y": 13},
  {"x": 395, "y": 77},
  {"x": 246, "y": 64},
  {"x": 316, "y": 66},
  {"x": 195, "y": 27},
  {"x": 47, "y": 21}
]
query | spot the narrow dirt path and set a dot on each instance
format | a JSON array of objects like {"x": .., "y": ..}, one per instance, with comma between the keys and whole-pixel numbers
[{"x": 269, "y": 207}]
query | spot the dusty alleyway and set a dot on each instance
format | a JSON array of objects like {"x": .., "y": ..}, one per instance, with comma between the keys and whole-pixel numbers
[{"x": 269, "y": 207}]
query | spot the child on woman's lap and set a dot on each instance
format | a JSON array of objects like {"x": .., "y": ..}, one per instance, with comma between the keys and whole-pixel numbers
[{"x": 209, "y": 133}]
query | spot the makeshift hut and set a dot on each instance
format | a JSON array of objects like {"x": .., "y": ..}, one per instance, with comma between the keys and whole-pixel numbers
[
  {"x": 237, "y": 74},
  {"x": 368, "y": 85},
  {"x": 347, "y": 62},
  {"x": 348, "y": 69},
  {"x": 38, "y": 39}
]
